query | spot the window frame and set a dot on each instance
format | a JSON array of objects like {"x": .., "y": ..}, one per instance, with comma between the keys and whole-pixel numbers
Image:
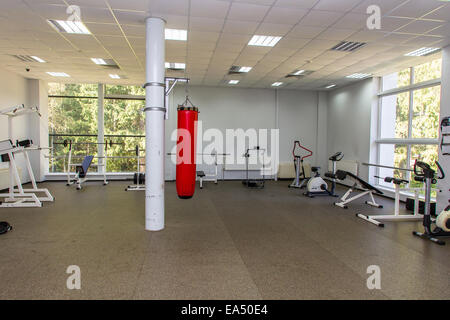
[
  {"x": 411, "y": 88},
  {"x": 100, "y": 98}
]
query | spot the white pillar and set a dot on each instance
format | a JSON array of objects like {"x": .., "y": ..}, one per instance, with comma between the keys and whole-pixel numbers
[
  {"x": 154, "y": 124},
  {"x": 101, "y": 127},
  {"x": 444, "y": 185}
]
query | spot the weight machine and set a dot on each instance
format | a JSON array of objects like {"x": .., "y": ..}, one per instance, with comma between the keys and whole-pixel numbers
[
  {"x": 20, "y": 196},
  {"x": 398, "y": 186},
  {"x": 214, "y": 177},
  {"x": 79, "y": 175},
  {"x": 138, "y": 177},
  {"x": 254, "y": 183}
]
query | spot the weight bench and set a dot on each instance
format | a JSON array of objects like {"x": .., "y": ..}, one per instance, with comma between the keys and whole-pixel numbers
[
  {"x": 81, "y": 171},
  {"x": 367, "y": 188},
  {"x": 201, "y": 175}
]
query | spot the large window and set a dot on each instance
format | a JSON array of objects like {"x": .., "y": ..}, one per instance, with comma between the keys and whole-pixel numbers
[
  {"x": 73, "y": 116},
  {"x": 409, "y": 108}
]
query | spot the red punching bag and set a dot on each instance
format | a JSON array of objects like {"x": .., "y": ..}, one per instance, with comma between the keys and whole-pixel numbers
[{"x": 186, "y": 150}]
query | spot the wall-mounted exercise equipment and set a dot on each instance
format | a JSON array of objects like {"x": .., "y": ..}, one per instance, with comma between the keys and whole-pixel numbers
[
  {"x": 445, "y": 136},
  {"x": 186, "y": 149}
]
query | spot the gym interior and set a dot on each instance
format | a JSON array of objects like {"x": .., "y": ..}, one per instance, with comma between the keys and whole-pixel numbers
[{"x": 225, "y": 149}]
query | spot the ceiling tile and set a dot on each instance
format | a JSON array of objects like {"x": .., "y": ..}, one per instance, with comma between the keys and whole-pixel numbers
[
  {"x": 247, "y": 12},
  {"x": 415, "y": 8},
  {"x": 317, "y": 18},
  {"x": 285, "y": 15}
]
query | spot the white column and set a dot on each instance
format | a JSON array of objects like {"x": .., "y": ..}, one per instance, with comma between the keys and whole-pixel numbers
[
  {"x": 322, "y": 151},
  {"x": 101, "y": 127},
  {"x": 444, "y": 185},
  {"x": 154, "y": 124}
]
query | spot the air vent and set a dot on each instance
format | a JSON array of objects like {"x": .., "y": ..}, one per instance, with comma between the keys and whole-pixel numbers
[
  {"x": 26, "y": 58},
  {"x": 299, "y": 73},
  {"x": 348, "y": 46}
]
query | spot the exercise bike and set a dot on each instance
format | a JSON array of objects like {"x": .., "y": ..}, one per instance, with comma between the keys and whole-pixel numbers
[
  {"x": 299, "y": 168},
  {"x": 317, "y": 186},
  {"x": 424, "y": 173}
]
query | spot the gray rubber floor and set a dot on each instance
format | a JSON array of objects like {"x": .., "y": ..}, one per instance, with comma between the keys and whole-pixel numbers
[{"x": 228, "y": 242}]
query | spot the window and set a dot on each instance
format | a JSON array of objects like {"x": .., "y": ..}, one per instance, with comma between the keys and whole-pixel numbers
[
  {"x": 409, "y": 107},
  {"x": 73, "y": 115},
  {"x": 125, "y": 123}
]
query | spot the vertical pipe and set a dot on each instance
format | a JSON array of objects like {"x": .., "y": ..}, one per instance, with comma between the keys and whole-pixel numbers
[
  {"x": 101, "y": 128},
  {"x": 154, "y": 124}
]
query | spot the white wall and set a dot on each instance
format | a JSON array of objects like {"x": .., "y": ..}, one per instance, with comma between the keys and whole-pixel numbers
[
  {"x": 234, "y": 108},
  {"x": 14, "y": 91},
  {"x": 349, "y": 122}
]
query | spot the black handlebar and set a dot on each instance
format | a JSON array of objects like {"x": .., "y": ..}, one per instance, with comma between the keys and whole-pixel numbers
[
  {"x": 338, "y": 156},
  {"x": 426, "y": 171}
]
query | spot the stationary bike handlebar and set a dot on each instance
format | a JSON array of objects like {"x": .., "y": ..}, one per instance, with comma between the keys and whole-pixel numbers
[
  {"x": 426, "y": 171},
  {"x": 338, "y": 156},
  {"x": 297, "y": 143}
]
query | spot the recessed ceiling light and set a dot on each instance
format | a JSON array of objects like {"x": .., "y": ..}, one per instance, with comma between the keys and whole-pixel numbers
[
  {"x": 422, "y": 52},
  {"x": 99, "y": 61},
  {"x": 297, "y": 73},
  {"x": 263, "y": 41},
  {"x": 359, "y": 75},
  {"x": 38, "y": 59},
  {"x": 76, "y": 27},
  {"x": 330, "y": 86},
  {"x": 245, "y": 69},
  {"x": 175, "y": 66},
  {"x": 176, "y": 34},
  {"x": 233, "y": 82},
  {"x": 114, "y": 76},
  {"x": 239, "y": 69},
  {"x": 26, "y": 58},
  {"x": 58, "y": 74},
  {"x": 277, "y": 84}
]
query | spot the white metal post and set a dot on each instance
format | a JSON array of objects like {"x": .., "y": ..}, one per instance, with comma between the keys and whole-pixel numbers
[
  {"x": 154, "y": 124},
  {"x": 101, "y": 128}
]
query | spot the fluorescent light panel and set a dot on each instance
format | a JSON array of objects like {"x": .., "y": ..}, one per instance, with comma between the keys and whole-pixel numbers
[
  {"x": 38, "y": 59},
  {"x": 75, "y": 27},
  {"x": 245, "y": 69},
  {"x": 175, "y": 65},
  {"x": 114, "y": 76},
  {"x": 99, "y": 61},
  {"x": 359, "y": 75},
  {"x": 330, "y": 86},
  {"x": 277, "y": 84},
  {"x": 58, "y": 74},
  {"x": 264, "y": 41},
  {"x": 297, "y": 73},
  {"x": 176, "y": 34},
  {"x": 233, "y": 82},
  {"x": 422, "y": 52}
]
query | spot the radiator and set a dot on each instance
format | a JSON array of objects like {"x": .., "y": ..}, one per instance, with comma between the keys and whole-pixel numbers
[{"x": 286, "y": 170}]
